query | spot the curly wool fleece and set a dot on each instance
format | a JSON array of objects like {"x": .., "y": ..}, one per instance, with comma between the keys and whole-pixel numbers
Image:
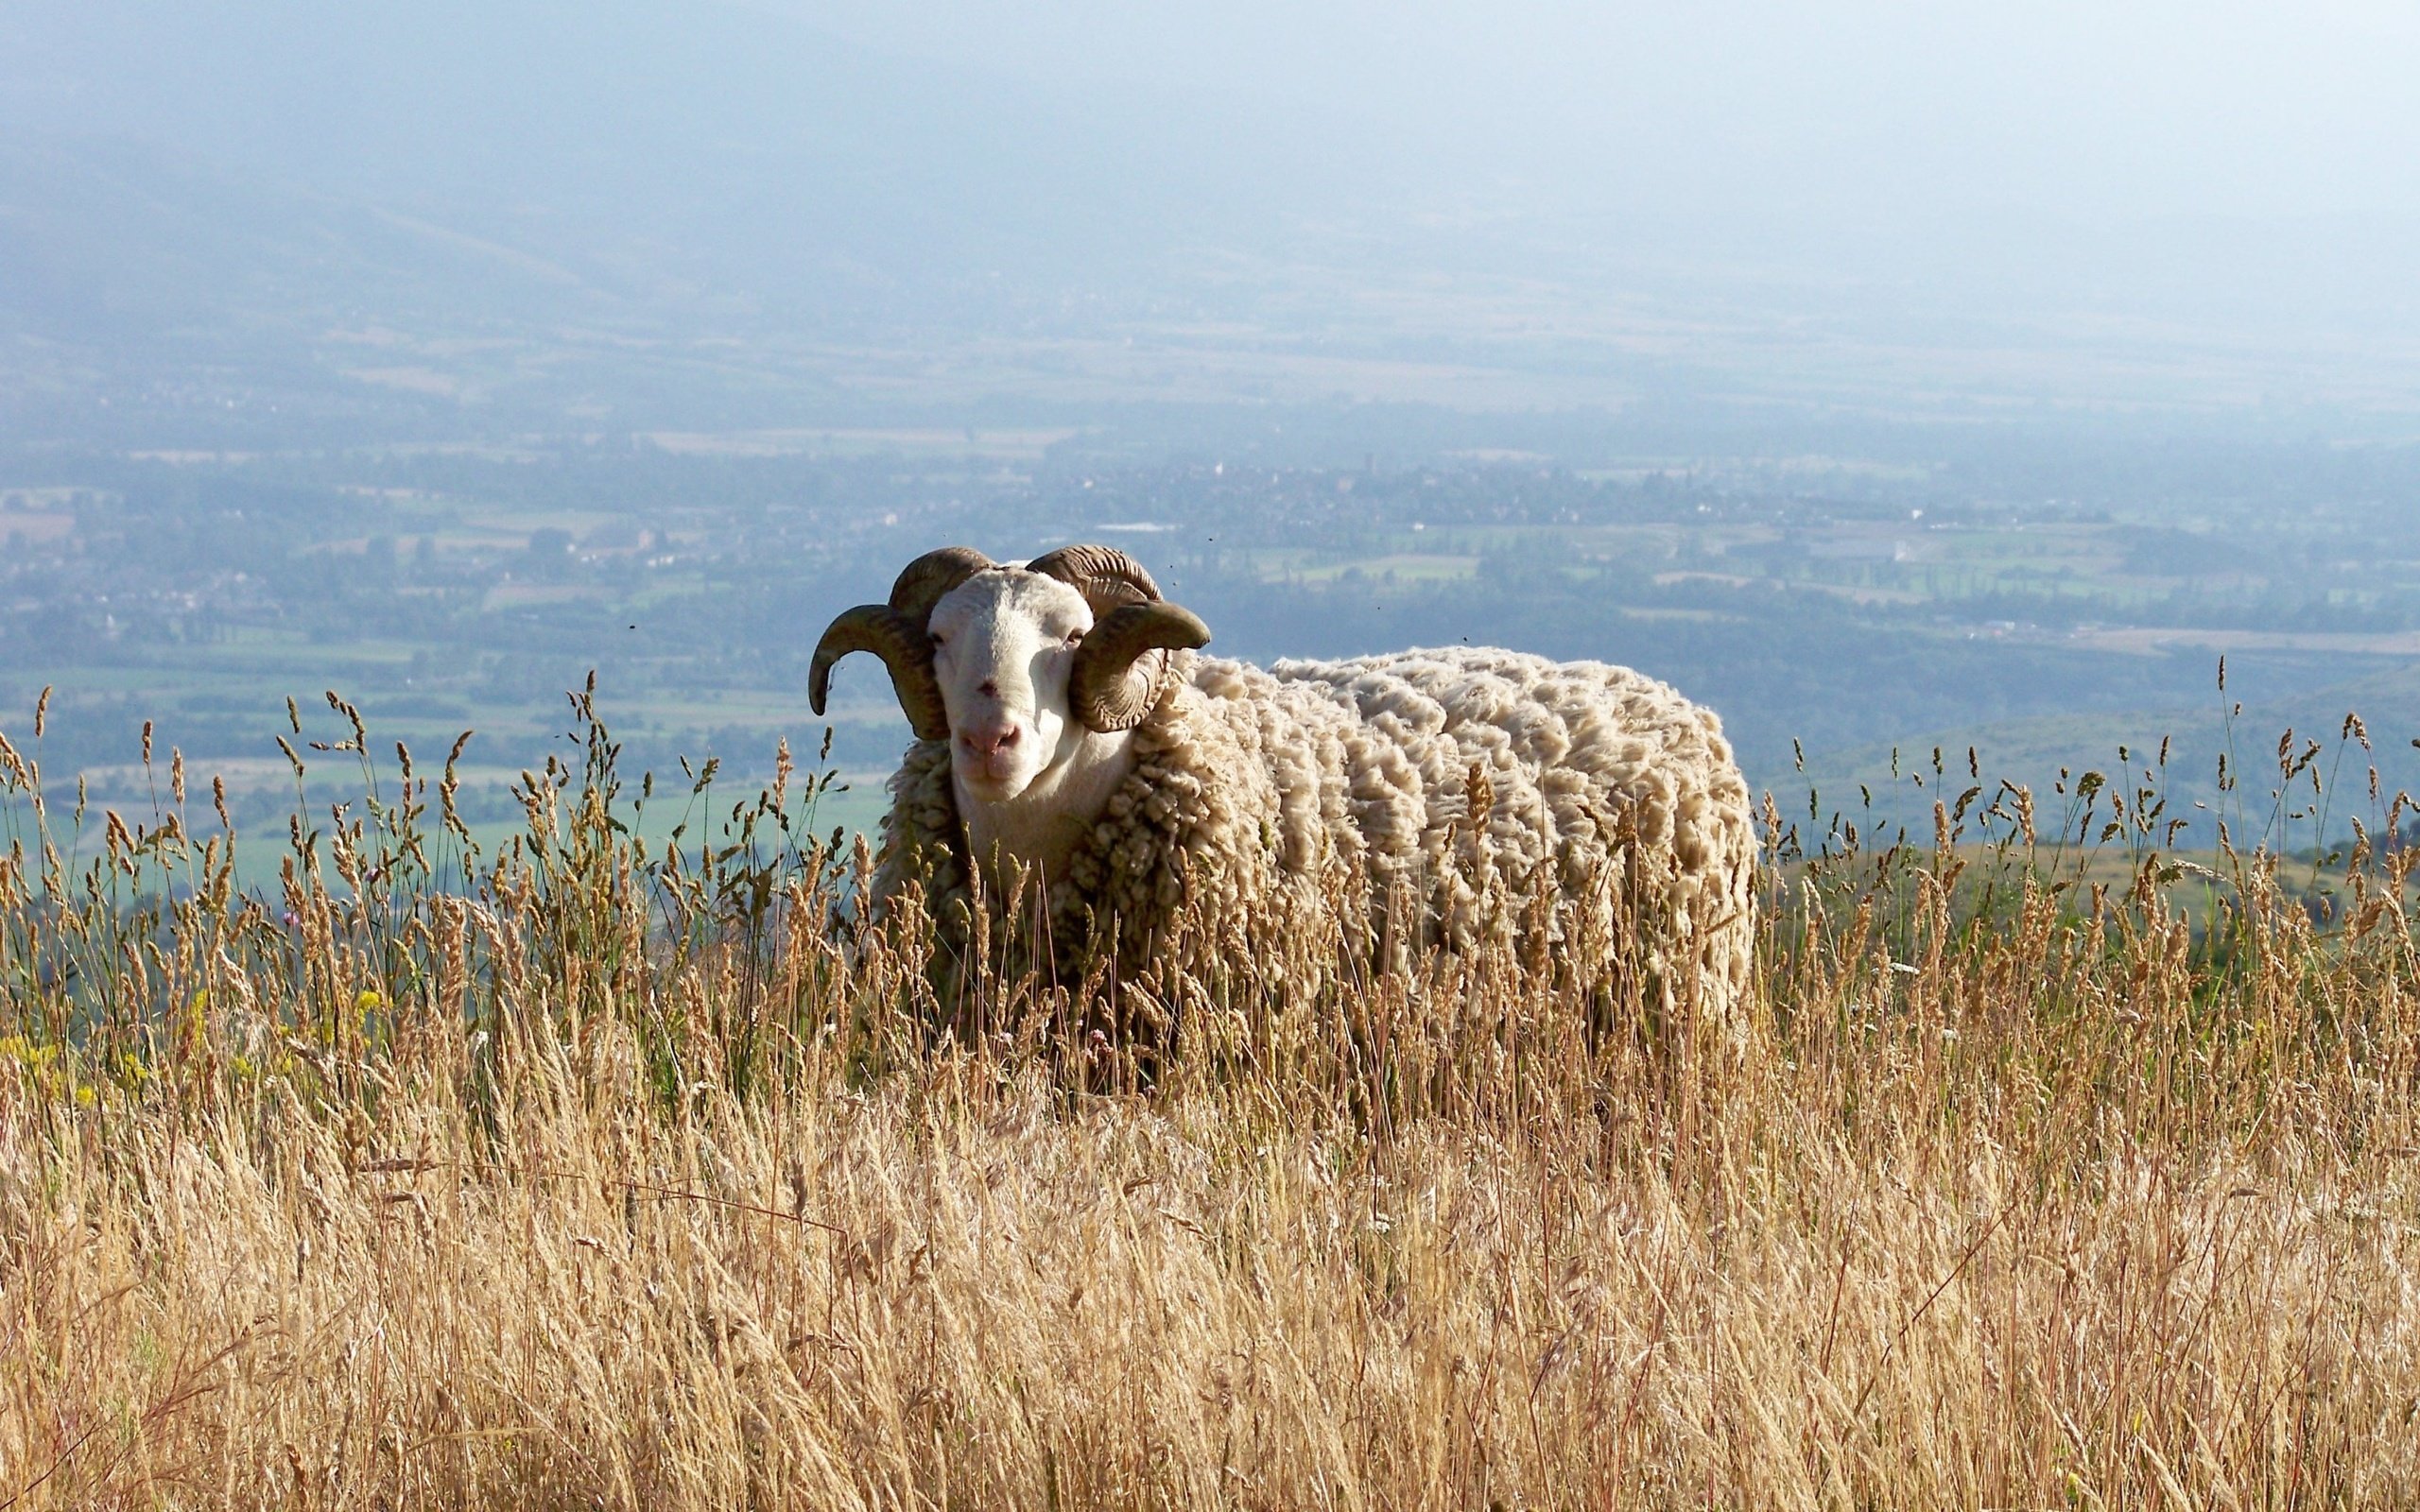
[{"x": 1257, "y": 792}]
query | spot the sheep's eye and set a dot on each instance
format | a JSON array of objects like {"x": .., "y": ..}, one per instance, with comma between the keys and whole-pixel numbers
[{"x": 1075, "y": 637}]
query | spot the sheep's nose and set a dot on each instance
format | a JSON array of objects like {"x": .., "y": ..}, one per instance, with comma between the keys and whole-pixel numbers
[{"x": 988, "y": 742}]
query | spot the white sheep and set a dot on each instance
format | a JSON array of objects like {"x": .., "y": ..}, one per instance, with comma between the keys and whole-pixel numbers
[{"x": 1205, "y": 816}]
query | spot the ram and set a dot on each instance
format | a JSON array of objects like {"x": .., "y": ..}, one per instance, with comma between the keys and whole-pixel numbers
[{"x": 1188, "y": 818}]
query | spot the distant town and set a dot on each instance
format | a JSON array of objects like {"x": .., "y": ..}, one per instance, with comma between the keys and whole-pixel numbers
[{"x": 1830, "y": 608}]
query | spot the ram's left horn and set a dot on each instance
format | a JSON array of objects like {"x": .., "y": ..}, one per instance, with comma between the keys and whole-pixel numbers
[{"x": 1114, "y": 682}]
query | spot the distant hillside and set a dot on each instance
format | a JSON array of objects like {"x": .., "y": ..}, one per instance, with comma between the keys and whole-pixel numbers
[
  {"x": 705, "y": 154},
  {"x": 126, "y": 242}
]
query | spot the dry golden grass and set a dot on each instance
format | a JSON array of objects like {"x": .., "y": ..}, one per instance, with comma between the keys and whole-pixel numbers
[{"x": 587, "y": 1176}]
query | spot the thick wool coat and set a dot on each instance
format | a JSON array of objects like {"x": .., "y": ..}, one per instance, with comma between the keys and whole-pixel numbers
[{"x": 1448, "y": 798}]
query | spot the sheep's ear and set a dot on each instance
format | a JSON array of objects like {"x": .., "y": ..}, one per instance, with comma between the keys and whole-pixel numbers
[
  {"x": 904, "y": 648},
  {"x": 1120, "y": 668}
]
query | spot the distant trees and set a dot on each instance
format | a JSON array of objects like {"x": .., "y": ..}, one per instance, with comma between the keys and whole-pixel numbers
[{"x": 550, "y": 552}]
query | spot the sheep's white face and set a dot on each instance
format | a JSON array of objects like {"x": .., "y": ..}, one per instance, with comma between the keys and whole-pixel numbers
[{"x": 1004, "y": 642}]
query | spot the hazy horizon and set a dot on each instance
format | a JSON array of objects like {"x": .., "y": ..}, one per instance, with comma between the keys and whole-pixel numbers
[
  {"x": 2224, "y": 193},
  {"x": 2215, "y": 110}
]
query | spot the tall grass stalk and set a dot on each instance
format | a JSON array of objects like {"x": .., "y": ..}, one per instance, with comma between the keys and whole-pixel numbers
[{"x": 590, "y": 1173}]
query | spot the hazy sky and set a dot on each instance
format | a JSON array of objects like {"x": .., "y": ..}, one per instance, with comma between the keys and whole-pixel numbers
[
  {"x": 2224, "y": 107},
  {"x": 1950, "y": 175}
]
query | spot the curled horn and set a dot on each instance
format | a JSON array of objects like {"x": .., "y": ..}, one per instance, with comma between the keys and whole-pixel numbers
[
  {"x": 1112, "y": 685},
  {"x": 895, "y": 632},
  {"x": 1116, "y": 679},
  {"x": 921, "y": 582},
  {"x": 1104, "y": 575}
]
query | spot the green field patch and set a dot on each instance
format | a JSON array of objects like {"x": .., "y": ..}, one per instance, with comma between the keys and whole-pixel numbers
[
  {"x": 1691, "y": 616},
  {"x": 1018, "y": 444},
  {"x": 522, "y": 596},
  {"x": 1400, "y": 567}
]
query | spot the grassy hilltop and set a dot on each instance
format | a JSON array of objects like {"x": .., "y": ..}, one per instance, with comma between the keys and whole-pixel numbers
[
  {"x": 597, "y": 1168},
  {"x": 422, "y": 1099}
]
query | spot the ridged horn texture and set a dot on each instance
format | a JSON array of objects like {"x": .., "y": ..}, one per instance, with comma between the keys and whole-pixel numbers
[
  {"x": 920, "y": 584},
  {"x": 1105, "y": 576},
  {"x": 1114, "y": 682},
  {"x": 896, "y": 632},
  {"x": 1116, "y": 678}
]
